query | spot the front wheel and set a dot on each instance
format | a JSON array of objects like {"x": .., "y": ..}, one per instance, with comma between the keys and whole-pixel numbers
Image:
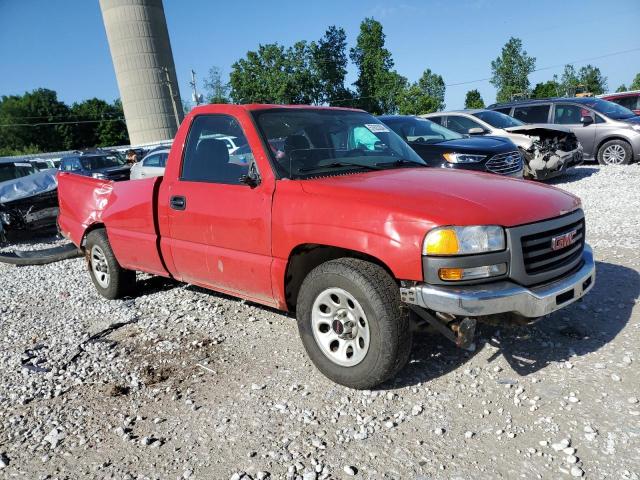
[
  {"x": 615, "y": 152},
  {"x": 110, "y": 279},
  {"x": 352, "y": 322}
]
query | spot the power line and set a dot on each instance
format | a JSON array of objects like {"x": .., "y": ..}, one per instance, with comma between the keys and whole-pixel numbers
[
  {"x": 551, "y": 66},
  {"x": 59, "y": 123}
]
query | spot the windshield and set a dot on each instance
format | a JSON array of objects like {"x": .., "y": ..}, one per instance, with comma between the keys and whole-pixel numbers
[
  {"x": 98, "y": 162},
  {"x": 611, "y": 110},
  {"x": 310, "y": 142},
  {"x": 420, "y": 130},
  {"x": 497, "y": 119},
  {"x": 11, "y": 171}
]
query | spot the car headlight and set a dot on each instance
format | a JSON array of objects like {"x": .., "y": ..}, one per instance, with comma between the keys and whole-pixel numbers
[
  {"x": 464, "y": 240},
  {"x": 463, "y": 158},
  {"x": 100, "y": 176}
]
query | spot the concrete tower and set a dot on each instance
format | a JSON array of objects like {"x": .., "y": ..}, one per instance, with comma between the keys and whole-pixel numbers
[{"x": 142, "y": 58}]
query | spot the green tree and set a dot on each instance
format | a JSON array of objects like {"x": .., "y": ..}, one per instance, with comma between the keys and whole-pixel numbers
[
  {"x": 378, "y": 86},
  {"x": 550, "y": 88},
  {"x": 275, "y": 75},
  {"x": 569, "y": 81},
  {"x": 216, "y": 90},
  {"x": 329, "y": 58},
  {"x": 35, "y": 120},
  {"x": 424, "y": 96},
  {"x": 592, "y": 80},
  {"x": 635, "y": 85},
  {"x": 587, "y": 79},
  {"x": 99, "y": 124},
  {"x": 473, "y": 99},
  {"x": 621, "y": 88},
  {"x": 510, "y": 71}
]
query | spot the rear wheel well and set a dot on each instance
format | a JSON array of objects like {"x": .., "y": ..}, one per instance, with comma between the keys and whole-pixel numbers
[
  {"x": 305, "y": 258},
  {"x": 91, "y": 228}
]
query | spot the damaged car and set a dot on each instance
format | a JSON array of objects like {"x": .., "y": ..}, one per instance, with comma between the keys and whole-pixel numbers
[
  {"x": 548, "y": 150},
  {"x": 28, "y": 197}
]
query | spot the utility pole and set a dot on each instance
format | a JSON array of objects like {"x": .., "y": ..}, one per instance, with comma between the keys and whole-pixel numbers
[
  {"x": 173, "y": 98},
  {"x": 196, "y": 98}
]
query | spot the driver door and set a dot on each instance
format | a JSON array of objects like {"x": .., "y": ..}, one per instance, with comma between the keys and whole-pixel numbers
[{"x": 569, "y": 116}]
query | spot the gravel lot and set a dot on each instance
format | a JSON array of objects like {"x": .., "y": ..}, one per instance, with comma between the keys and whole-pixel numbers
[{"x": 184, "y": 383}]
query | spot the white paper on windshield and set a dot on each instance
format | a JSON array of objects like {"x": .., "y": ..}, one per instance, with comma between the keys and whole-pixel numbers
[
  {"x": 376, "y": 128},
  {"x": 22, "y": 164}
]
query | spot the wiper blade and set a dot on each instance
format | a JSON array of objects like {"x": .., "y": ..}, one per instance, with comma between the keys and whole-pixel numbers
[
  {"x": 400, "y": 162},
  {"x": 340, "y": 165}
]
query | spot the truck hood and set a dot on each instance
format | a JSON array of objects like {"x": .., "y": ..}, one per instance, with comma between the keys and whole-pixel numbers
[{"x": 446, "y": 197}]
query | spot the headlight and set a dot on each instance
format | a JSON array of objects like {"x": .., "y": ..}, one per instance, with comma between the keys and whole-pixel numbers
[
  {"x": 100, "y": 176},
  {"x": 464, "y": 240},
  {"x": 463, "y": 158}
]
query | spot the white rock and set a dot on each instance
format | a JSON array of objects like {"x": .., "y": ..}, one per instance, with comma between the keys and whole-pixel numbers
[
  {"x": 439, "y": 431},
  {"x": 349, "y": 470},
  {"x": 468, "y": 434},
  {"x": 576, "y": 472}
]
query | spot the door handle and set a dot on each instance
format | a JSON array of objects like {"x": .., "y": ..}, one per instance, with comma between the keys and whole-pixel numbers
[{"x": 178, "y": 202}]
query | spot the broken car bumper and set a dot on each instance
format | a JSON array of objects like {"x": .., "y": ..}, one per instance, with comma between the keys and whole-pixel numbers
[{"x": 505, "y": 296}]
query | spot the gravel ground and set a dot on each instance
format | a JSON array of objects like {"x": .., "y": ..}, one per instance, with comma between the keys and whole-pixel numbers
[{"x": 179, "y": 382}]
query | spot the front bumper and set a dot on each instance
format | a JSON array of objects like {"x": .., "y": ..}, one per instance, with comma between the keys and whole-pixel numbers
[{"x": 505, "y": 296}]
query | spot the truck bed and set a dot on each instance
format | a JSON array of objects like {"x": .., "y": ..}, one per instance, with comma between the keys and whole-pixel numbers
[{"x": 128, "y": 210}]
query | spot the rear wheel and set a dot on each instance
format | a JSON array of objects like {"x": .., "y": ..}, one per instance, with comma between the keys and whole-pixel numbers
[
  {"x": 352, "y": 322},
  {"x": 110, "y": 279},
  {"x": 615, "y": 152}
]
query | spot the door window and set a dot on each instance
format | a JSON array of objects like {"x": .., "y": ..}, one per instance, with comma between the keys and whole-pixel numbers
[
  {"x": 506, "y": 110},
  {"x": 532, "y": 113},
  {"x": 461, "y": 125},
  {"x": 439, "y": 120},
  {"x": 152, "y": 161},
  {"x": 207, "y": 157},
  {"x": 628, "y": 102},
  {"x": 569, "y": 114}
]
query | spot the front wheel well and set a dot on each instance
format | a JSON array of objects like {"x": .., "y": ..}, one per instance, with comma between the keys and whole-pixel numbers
[
  {"x": 305, "y": 258},
  {"x": 608, "y": 139}
]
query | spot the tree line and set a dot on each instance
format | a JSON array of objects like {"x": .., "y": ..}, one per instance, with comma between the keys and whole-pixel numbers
[
  {"x": 305, "y": 73},
  {"x": 38, "y": 122},
  {"x": 314, "y": 73}
]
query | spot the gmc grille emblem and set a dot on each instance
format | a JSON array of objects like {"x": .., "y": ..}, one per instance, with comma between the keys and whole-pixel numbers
[{"x": 564, "y": 240}]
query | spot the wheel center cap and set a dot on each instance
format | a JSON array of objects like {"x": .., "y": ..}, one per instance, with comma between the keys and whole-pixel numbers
[{"x": 343, "y": 325}]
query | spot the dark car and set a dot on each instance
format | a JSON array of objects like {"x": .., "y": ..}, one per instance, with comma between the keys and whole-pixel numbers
[
  {"x": 608, "y": 132},
  {"x": 28, "y": 198},
  {"x": 441, "y": 147},
  {"x": 105, "y": 166}
]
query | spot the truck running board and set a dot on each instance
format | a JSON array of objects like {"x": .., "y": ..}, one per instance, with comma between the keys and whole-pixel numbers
[{"x": 461, "y": 333}]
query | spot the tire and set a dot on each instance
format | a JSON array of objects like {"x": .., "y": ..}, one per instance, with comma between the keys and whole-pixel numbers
[
  {"x": 615, "y": 152},
  {"x": 375, "y": 324},
  {"x": 110, "y": 279}
]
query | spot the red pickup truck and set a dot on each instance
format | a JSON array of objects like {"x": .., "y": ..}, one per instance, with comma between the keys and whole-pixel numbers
[{"x": 328, "y": 213}]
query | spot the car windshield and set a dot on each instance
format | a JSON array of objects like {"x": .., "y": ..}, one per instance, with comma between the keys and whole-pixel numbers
[
  {"x": 610, "y": 109},
  {"x": 497, "y": 119},
  {"x": 310, "y": 142},
  {"x": 96, "y": 162},
  {"x": 420, "y": 130},
  {"x": 11, "y": 171}
]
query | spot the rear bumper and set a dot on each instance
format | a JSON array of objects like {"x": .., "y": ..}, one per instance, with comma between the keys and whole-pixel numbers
[{"x": 505, "y": 296}]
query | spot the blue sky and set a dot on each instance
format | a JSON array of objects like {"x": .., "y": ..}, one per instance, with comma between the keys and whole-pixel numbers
[{"x": 62, "y": 45}]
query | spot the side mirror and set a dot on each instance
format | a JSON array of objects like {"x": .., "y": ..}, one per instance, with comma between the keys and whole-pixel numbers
[
  {"x": 476, "y": 131},
  {"x": 587, "y": 120}
]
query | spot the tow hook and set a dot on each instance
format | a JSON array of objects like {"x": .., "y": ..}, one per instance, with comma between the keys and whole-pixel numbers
[{"x": 460, "y": 332}]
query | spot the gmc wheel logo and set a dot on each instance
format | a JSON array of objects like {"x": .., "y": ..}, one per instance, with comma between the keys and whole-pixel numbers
[{"x": 563, "y": 241}]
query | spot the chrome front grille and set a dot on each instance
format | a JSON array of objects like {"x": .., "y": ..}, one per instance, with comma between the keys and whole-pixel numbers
[
  {"x": 542, "y": 252},
  {"x": 539, "y": 254},
  {"x": 505, "y": 163}
]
